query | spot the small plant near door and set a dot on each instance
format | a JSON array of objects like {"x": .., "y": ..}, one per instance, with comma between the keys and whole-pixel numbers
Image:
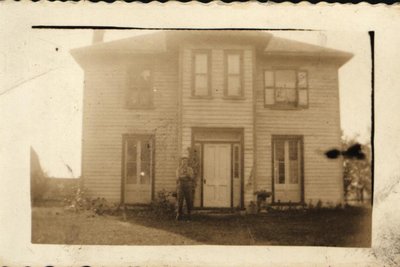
[
  {"x": 262, "y": 196},
  {"x": 251, "y": 208}
]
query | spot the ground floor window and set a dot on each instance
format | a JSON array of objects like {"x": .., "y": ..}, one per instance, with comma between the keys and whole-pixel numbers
[{"x": 138, "y": 159}]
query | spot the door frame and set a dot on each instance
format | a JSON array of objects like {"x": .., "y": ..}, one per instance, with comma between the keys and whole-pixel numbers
[
  {"x": 288, "y": 137},
  {"x": 239, "y": 131},
  {"x": 124, "y": 138}
]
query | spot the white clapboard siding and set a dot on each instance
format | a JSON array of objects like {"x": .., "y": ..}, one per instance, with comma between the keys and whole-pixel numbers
[
  {"x": 106, "y": 119},
  {"x": 319, "y": 124},
  {"x": 217, "y": 111}
]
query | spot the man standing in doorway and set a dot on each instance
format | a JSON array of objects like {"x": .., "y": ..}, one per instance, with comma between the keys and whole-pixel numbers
[{"x": 185, "y": 184}]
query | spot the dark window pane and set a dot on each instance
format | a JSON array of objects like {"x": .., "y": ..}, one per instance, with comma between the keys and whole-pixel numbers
[
  {"x": 280, "y": 150},
  {"x": 293, "y": 153},
  {"x": 145, "y": 157},
  {"x": 285, "y": 95},
  {"x": 131, "y": 150},
  {"x": 236, "y": 170},
  {"x": 294, "y": 171},
  {"x": 139, "y": 87},
  {"x": 145, "y": 172},
  {"x": 131, "y": 174},
  {"x": 236, "y": 153},
  {"x": 281, "y": 172},
  {"x": 145, "y": 150}
]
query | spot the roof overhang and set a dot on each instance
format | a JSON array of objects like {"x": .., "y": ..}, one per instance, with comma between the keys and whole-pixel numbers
[{"x": 163, "y": 42}]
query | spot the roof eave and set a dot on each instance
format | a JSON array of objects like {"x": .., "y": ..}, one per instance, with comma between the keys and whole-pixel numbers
[
  {"x": 339, "y": 58},
  {"x": 81, "y": 55}
]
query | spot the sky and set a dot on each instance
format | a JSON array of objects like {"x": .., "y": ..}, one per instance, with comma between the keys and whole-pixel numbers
[{"x": 55, "y": 83}]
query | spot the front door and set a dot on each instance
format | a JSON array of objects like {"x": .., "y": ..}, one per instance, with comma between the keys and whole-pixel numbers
[
  {"x": 287, "y": 170},
  {"x": 217, "y": 175},
  {"x": 137, "y": 169}
]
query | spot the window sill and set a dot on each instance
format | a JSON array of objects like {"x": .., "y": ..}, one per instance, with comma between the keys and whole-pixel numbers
[{"x": 285, "y": 107}]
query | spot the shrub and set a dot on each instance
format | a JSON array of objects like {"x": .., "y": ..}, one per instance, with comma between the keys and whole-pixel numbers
[
  {"x": 163, "y": 203},
  {"x": 80, "y": 201},
  {"x": 262, "y": 196}
]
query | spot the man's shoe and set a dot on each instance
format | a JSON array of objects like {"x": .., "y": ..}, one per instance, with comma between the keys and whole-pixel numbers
[{"x": 178, "y": 217}]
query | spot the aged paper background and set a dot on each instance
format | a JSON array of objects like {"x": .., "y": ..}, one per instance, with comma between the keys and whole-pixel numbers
[{"x": 15, "y": 217}]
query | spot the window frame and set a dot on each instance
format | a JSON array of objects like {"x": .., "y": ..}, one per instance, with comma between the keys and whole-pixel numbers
[
  {"x": 208, "y": 75},
  {"x": 287, "y": 106},
  {"x": 142, "y": 66},
  {"x": 241, "y": 74},
  {"x": 139, "y": 138},
  {"x": 284, "y": 138}
]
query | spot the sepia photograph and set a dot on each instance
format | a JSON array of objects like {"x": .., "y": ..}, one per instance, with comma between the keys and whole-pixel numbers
[
  {"x": 193, "y": 137},
  {"x": 189, "y": 134}
]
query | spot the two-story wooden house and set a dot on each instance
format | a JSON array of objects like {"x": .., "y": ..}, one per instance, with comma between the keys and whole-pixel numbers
[{"x": 260, "y": 111}]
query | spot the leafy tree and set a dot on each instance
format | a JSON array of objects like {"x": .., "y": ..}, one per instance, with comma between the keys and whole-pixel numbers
[{"x": 357, "y": 172}]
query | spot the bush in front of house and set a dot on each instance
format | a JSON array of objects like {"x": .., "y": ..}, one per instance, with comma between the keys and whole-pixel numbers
[
  {"x": 164, "y": 203},
  {"x": 79, "y": 201}
]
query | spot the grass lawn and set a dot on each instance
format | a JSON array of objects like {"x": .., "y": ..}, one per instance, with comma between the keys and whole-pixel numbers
[{"x": 345, "y": 228}]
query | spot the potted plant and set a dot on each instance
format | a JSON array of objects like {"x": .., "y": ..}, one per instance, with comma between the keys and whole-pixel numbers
[
  {"x": 262, "y": 196},
  {"x": 251, "y": 208}
]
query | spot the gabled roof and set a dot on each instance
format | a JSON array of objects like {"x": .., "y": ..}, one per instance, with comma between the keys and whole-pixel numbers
[{"x": 164, "y": 41}]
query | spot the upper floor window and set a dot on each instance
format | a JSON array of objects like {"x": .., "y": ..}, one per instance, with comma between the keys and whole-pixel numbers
[
  {"x": 139, "y": 91},
  {"x": 201, "y": 74},
  {"x": 234, "y": 74},
  {"x": 286, "y": 88}
]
